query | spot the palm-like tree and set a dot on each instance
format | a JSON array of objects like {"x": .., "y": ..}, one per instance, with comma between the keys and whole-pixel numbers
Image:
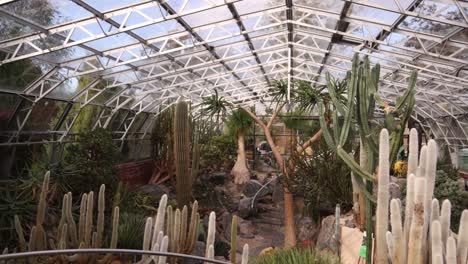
[
  {"x": 238, "y": 124},
  {"x": 214, "y": 105}
]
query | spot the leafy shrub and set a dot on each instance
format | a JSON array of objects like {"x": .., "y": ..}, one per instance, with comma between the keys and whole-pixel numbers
[
  {"x": 321, "y": 178},
  {"x": 296, "y": 256},
  {"x": 94, "y": 157},
  {"x": 219, "y": 149},
  {"x": 448, "y": 187}
]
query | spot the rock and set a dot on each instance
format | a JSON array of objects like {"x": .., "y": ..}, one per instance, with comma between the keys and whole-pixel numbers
[
  {"x": 254, "y": 187},
  {"x": 226, "y": 220},
  {"x": 277, "y": 191},
  {"x": 306, "y": 229},
  {"x": 395, "y": 192},
  {"x": 325, "y": 237},
  {"x": 245, "y": 228},
  {"x": 153, "y": 190},
  {"x": 349, "y": 223},
  {"x": 245, "y": 208},
  {"x": 216, "y": 178},
  {"x": 198, "y": 250}
]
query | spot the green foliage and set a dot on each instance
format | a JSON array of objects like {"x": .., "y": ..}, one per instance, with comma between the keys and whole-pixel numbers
[
  {"x": 239, "y": 122},
  {"x": 131, "y": 230},
  {"x": 214, "y": 105},
  {"x": 321, "y": 178},
  {"x": 220, "y": 148},
  {"x": 94, "y": 156},
  {"x": 297, "y": 256},
  {"x": 448, "y": 187},
  {"x": 19, "y": 196},
  {"x": 161, "y": 138}
]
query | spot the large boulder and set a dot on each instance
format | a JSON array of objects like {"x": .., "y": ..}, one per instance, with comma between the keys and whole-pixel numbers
[
  {"x": 307, "y": 229},
  {"x": 254, "y": 187},
  {"x": 247, "y": 207},
  {"x": 245, "y": 228},
  {"x": 325, "y": 238},
  {"x": 216, "y": 178}
]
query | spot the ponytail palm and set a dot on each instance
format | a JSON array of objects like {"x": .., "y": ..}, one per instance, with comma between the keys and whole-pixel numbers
[{"x": 239, "y": 123}]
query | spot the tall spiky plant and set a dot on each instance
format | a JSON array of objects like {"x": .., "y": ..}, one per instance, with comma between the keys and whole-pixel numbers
[
  {"x": 182, "y": 153},
  {"x": 359, "y": 109},
  {"x": 239, "y": 123}
]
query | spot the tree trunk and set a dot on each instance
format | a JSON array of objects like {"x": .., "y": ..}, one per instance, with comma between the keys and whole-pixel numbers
[
  {"x": 289, "y": 224},
  {"x": 240, "y": 172}
]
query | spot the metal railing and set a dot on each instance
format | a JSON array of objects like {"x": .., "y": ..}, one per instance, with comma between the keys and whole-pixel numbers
[{"x": 23, "y": 255}]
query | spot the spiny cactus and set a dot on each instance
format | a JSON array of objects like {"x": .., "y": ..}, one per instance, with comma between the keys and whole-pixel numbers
[
  {"x": 397, "y": 233},
  {"x": 210, "y": 237},
  {"x": 245, "y": 254},
  {"x": 382, "y": 199},
  {"x": 233, "y": 251},
  {"x": 362, "y": 99},
  {"x": 426, "y": 225},
  {"x": 68, "y": 236},
  {"x": 181, "y": 235},
  {"x": 462, "y": 243},
  {"x": 182, "y": 153},
  {"x": 436, "y": 240}
]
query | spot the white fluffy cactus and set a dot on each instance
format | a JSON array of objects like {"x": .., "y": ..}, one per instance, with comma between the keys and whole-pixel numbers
[
  {"x": 462, "y": 244},
  {"x": 397, "y": 233},
  {"x": 210, "y": 238},
  {"x": 451, "y": 251},
  {"x": 382, "y": 199},
  {"x": 425, "y": 235},
  {"x": 436, "y": 239},
  {"x": 445, "y": 220},
  {"x": 245, "y": 254},
  {"x": 416, "y": 230}
]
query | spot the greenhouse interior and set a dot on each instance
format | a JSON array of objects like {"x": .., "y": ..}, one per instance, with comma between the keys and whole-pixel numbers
[{"x": 230, "y": 131}]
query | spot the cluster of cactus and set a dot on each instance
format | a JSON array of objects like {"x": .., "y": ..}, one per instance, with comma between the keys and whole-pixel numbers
[
  {"x": 170, "y": 231},
  {"x": 182, "y": 153},
  {"x": 358, "y": 108},
  {"x": 69, "y": 235},
  {"x": 424, "y": 234}
]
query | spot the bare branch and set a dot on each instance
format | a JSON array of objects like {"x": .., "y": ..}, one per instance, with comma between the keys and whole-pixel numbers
[
  {"x": 278, "y": 109},
  {"x": 309, "y": 142},
  {"x": 254, "y": 117}
]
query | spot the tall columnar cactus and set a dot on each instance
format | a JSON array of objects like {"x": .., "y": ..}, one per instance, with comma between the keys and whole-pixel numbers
[
  {"x": 445, "y": 220},
  {"x": 182, "y": 153},
  {"x": 362, "y": 99},
  {"x": 426, "y": 224},
  {"x": 462, "y": 243},
  {"x": 233, "y": 251},
  {"x": 436, "y": 240},
  {"x": 245, "y": 254},
  {"x": 173, "y": 224},
  {"x": 68, "y": 235},
  {"x": 210, "y": 237},
  {"x": 383, "y": 195},
  {"x": 399, "y": 249},
  {"x": 336, "y": 243}
]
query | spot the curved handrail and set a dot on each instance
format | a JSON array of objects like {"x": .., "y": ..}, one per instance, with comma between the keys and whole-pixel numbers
[
  {"x": 21, "y": 255},
  {"x": 261, "y": 188}
]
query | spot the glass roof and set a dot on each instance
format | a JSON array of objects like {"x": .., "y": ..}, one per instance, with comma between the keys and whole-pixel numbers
[{"x": 140, "y": 56}]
